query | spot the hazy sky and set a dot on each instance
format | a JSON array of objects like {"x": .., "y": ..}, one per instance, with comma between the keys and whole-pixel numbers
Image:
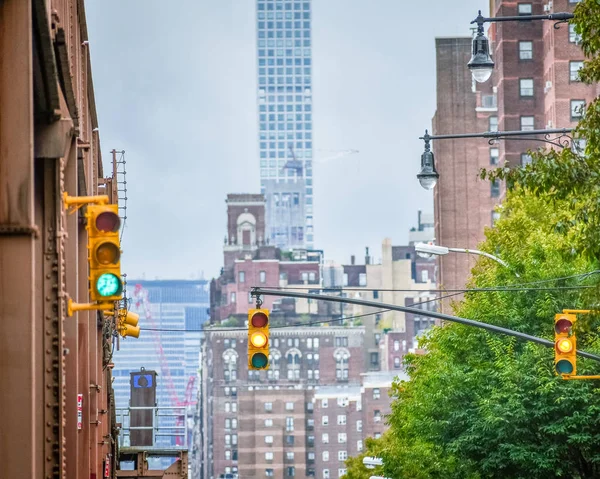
[{"x": 175, "y": 86}]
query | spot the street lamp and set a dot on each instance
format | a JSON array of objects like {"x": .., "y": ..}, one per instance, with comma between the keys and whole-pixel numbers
[
  {"x": 426, "y": 250},
  {"x": 428, "y": 176},
  {"x": 481, "y": 63}
]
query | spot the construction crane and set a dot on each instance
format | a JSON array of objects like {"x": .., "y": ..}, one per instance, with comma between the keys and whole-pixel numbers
[
  {"x": 334, "y": 155},
  {"x": 140, "y": 297},
  {"x": 293, "y": 164}
]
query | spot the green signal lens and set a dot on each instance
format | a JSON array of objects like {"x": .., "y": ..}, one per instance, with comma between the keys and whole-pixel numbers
[
  {"x": 108, "y": 284},
  {"x": 564, "y": 367},
  {"x": 259, "y": 360}
]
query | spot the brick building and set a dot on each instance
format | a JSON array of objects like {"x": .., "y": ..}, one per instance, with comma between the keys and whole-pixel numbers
[
  {"x": 534, "y": 86},
  {"x": 301, "y": 418}
]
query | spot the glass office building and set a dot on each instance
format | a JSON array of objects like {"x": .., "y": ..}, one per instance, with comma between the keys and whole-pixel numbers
[
  {"x": 285, "y": 113},
  {"x": 177, "y": 310}
]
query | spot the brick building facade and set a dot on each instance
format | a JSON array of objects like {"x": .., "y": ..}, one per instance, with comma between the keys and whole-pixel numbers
[
  {"x": 534, "y": 86},
  {"x": 301, "y": 418}
]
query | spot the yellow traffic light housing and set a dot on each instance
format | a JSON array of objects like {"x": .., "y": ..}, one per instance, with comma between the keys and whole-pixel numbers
[
  {"x": 104, "y": 252},
  {"x": 258, "y": 339},
  {"x": 565, "y": 344},
  {"x": 128, "y": 324}
]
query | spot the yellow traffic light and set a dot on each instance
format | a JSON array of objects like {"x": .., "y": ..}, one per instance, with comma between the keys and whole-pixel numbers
[
  {"x": 258, "y": 339},
  {"x": 128, "y": 324},
  {"x": 565, "y": 341},
  {"x": 104, "y": 252}
]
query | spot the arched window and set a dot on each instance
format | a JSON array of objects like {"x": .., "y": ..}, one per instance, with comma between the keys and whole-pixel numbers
[
  {"x": 342, "y": 364},
  {"x": 230, "y": 359}
]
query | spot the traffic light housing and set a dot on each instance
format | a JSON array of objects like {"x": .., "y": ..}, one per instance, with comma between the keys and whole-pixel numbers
[
  {"x": 104, "y": 252},
  {"x": 128, "y": 324},
  {"x": 258, "y": 339},
  {"x": 565, "y": 344}
]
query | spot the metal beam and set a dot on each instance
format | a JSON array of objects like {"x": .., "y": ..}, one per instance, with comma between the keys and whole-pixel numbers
[{"x": 256, "y": 291}]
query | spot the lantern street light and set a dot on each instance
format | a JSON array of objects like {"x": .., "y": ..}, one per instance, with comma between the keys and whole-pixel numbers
[
  {"x": 428, "y": 176},
  {"x": 481, "y": 63}
]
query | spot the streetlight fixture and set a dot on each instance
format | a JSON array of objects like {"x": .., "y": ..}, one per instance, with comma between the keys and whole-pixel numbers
[
  {"x": 427, "y": 250},
  {"x": 481, "y": 63},
  {"x": 428, "y": 176}
]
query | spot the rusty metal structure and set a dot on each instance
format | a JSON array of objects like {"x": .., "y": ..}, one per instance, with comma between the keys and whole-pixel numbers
[{"x": 55, "y": 371}]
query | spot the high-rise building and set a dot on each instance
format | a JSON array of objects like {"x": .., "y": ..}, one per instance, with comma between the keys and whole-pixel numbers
[
  {"x": 285, "y": 120},
  {"x": 171, "y": 316},
  {"x": 535, "y": 85}
]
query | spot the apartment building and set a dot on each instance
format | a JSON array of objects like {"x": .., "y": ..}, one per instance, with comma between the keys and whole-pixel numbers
[{"x": 535, "y": 85}]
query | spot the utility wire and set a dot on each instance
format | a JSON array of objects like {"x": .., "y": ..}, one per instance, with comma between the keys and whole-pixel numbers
[{"x": 311, "y": 323}]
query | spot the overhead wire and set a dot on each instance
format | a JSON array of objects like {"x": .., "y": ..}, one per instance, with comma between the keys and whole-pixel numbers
[{"x": 311, "y": 323}]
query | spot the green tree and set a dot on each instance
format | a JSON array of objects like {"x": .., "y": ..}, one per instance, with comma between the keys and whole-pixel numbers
[{"x": 486, "y": 406}]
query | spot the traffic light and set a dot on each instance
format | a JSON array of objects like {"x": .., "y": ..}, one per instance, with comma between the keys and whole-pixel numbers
[
  {"x": 128, "y": 324},
  {"x": 258, "y": 339},
  {"x": 565, "y": 344},
  {"x": 104, "y": 252}
]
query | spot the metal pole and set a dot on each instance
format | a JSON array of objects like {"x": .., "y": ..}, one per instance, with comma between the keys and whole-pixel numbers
[
  {"x": 497, "y": 134},
  {"x": 406, "y": 309}
]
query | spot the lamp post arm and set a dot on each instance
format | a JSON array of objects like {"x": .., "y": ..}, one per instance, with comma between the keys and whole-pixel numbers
[
  {"x": 559, "y": 16},
  {"x": 497, "y": 134},
  {"x": 257, "y": 291},
  {"x": 481, "y": 253}
]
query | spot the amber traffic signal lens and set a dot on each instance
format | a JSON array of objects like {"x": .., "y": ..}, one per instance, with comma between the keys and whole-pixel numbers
[
  {"x": 108, "y": 253},
  {"x": 258, "y": 340},
  {"x": 108, "y": 222},
  {"x": 564, "y": 345},
  {"x": 259, "y": 360},
  {"x": 563, "y": 325},
  {"x": 259, "y": 320}
]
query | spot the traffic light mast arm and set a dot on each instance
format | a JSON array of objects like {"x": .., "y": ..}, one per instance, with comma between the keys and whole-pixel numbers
[
  {"x": 73, "y": 307},
  {"x": 76, "y": 202},
  {"x": 420, "y": 312}
]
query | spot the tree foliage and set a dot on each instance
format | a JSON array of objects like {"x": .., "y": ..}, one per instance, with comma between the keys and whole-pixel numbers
[{"x": 480, "y": 405}]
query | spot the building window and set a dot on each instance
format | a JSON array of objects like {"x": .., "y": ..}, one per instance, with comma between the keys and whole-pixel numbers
[
  {"x": 359, "y": 426},
  {"x": 493, "y": 123},
  {"x": 268, "y": 439},
  {"x": 345, "y": 280},
  {"x": 242, "y": 276},
  {"x": 525, "y": 159},
  {"x": 268, "y": 406},
  {"x": 325, "y": 473},
  {"x": 525, "y": 50},
  {"x": 324, "y": 403},
  {"x": 289, "y": 406},
  {"x": 289, "y": 456},
  {"x": 262, "y": 276},
  {"x": 325, "y": 455},
  {"x": 396, "y": 362},
  {"x": 228, "y": 455},
  {"x": 526, "y": 86},
  {"x": 341, "y": 341},
  {"x": 342, "y": 438},
  {"x": 269, "y": 472},
  {"x": 524, "y": 8},
  {"x": 527, "y": 123},
  {"x": 494, "y": 155},
  {"x": 268, "y": 422},
  {"x": 291, "y": 471},
  {"x": 362, "y": 279},
  {"x": 268, "y": 456},
  {"x": 232, "y": 297},
  {"x": 325, "y": 438},
  {"x": 377, "y": 415},
  {"x": 577, "y": 107},
  {"x": 325, "y": 420},
  {"x": 578, "y": 146},
  {"x": 341, "y": 419},
  {"x": 495, "y": 189},
  {"x": 495, "y": 217},
  {"x": 574, "y": 37},
  {"x": 342, "y": 455},
  {"x": 359, "y": 445},
  {"x": 574, "y": 68},
  {"x": 289, "y": 424}
]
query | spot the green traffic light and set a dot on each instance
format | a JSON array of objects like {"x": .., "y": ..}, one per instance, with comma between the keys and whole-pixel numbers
[
  {"x": 259, "y": 360},
  {"x": 564, "y": 367},
  {"x": 108, "y": 284}
]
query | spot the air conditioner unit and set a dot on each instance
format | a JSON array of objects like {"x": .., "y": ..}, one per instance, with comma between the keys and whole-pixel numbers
[{"x": 546, "y": 8}]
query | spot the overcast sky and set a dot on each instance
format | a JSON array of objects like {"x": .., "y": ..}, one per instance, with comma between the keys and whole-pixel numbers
[{"x": 175, "y": 86}]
